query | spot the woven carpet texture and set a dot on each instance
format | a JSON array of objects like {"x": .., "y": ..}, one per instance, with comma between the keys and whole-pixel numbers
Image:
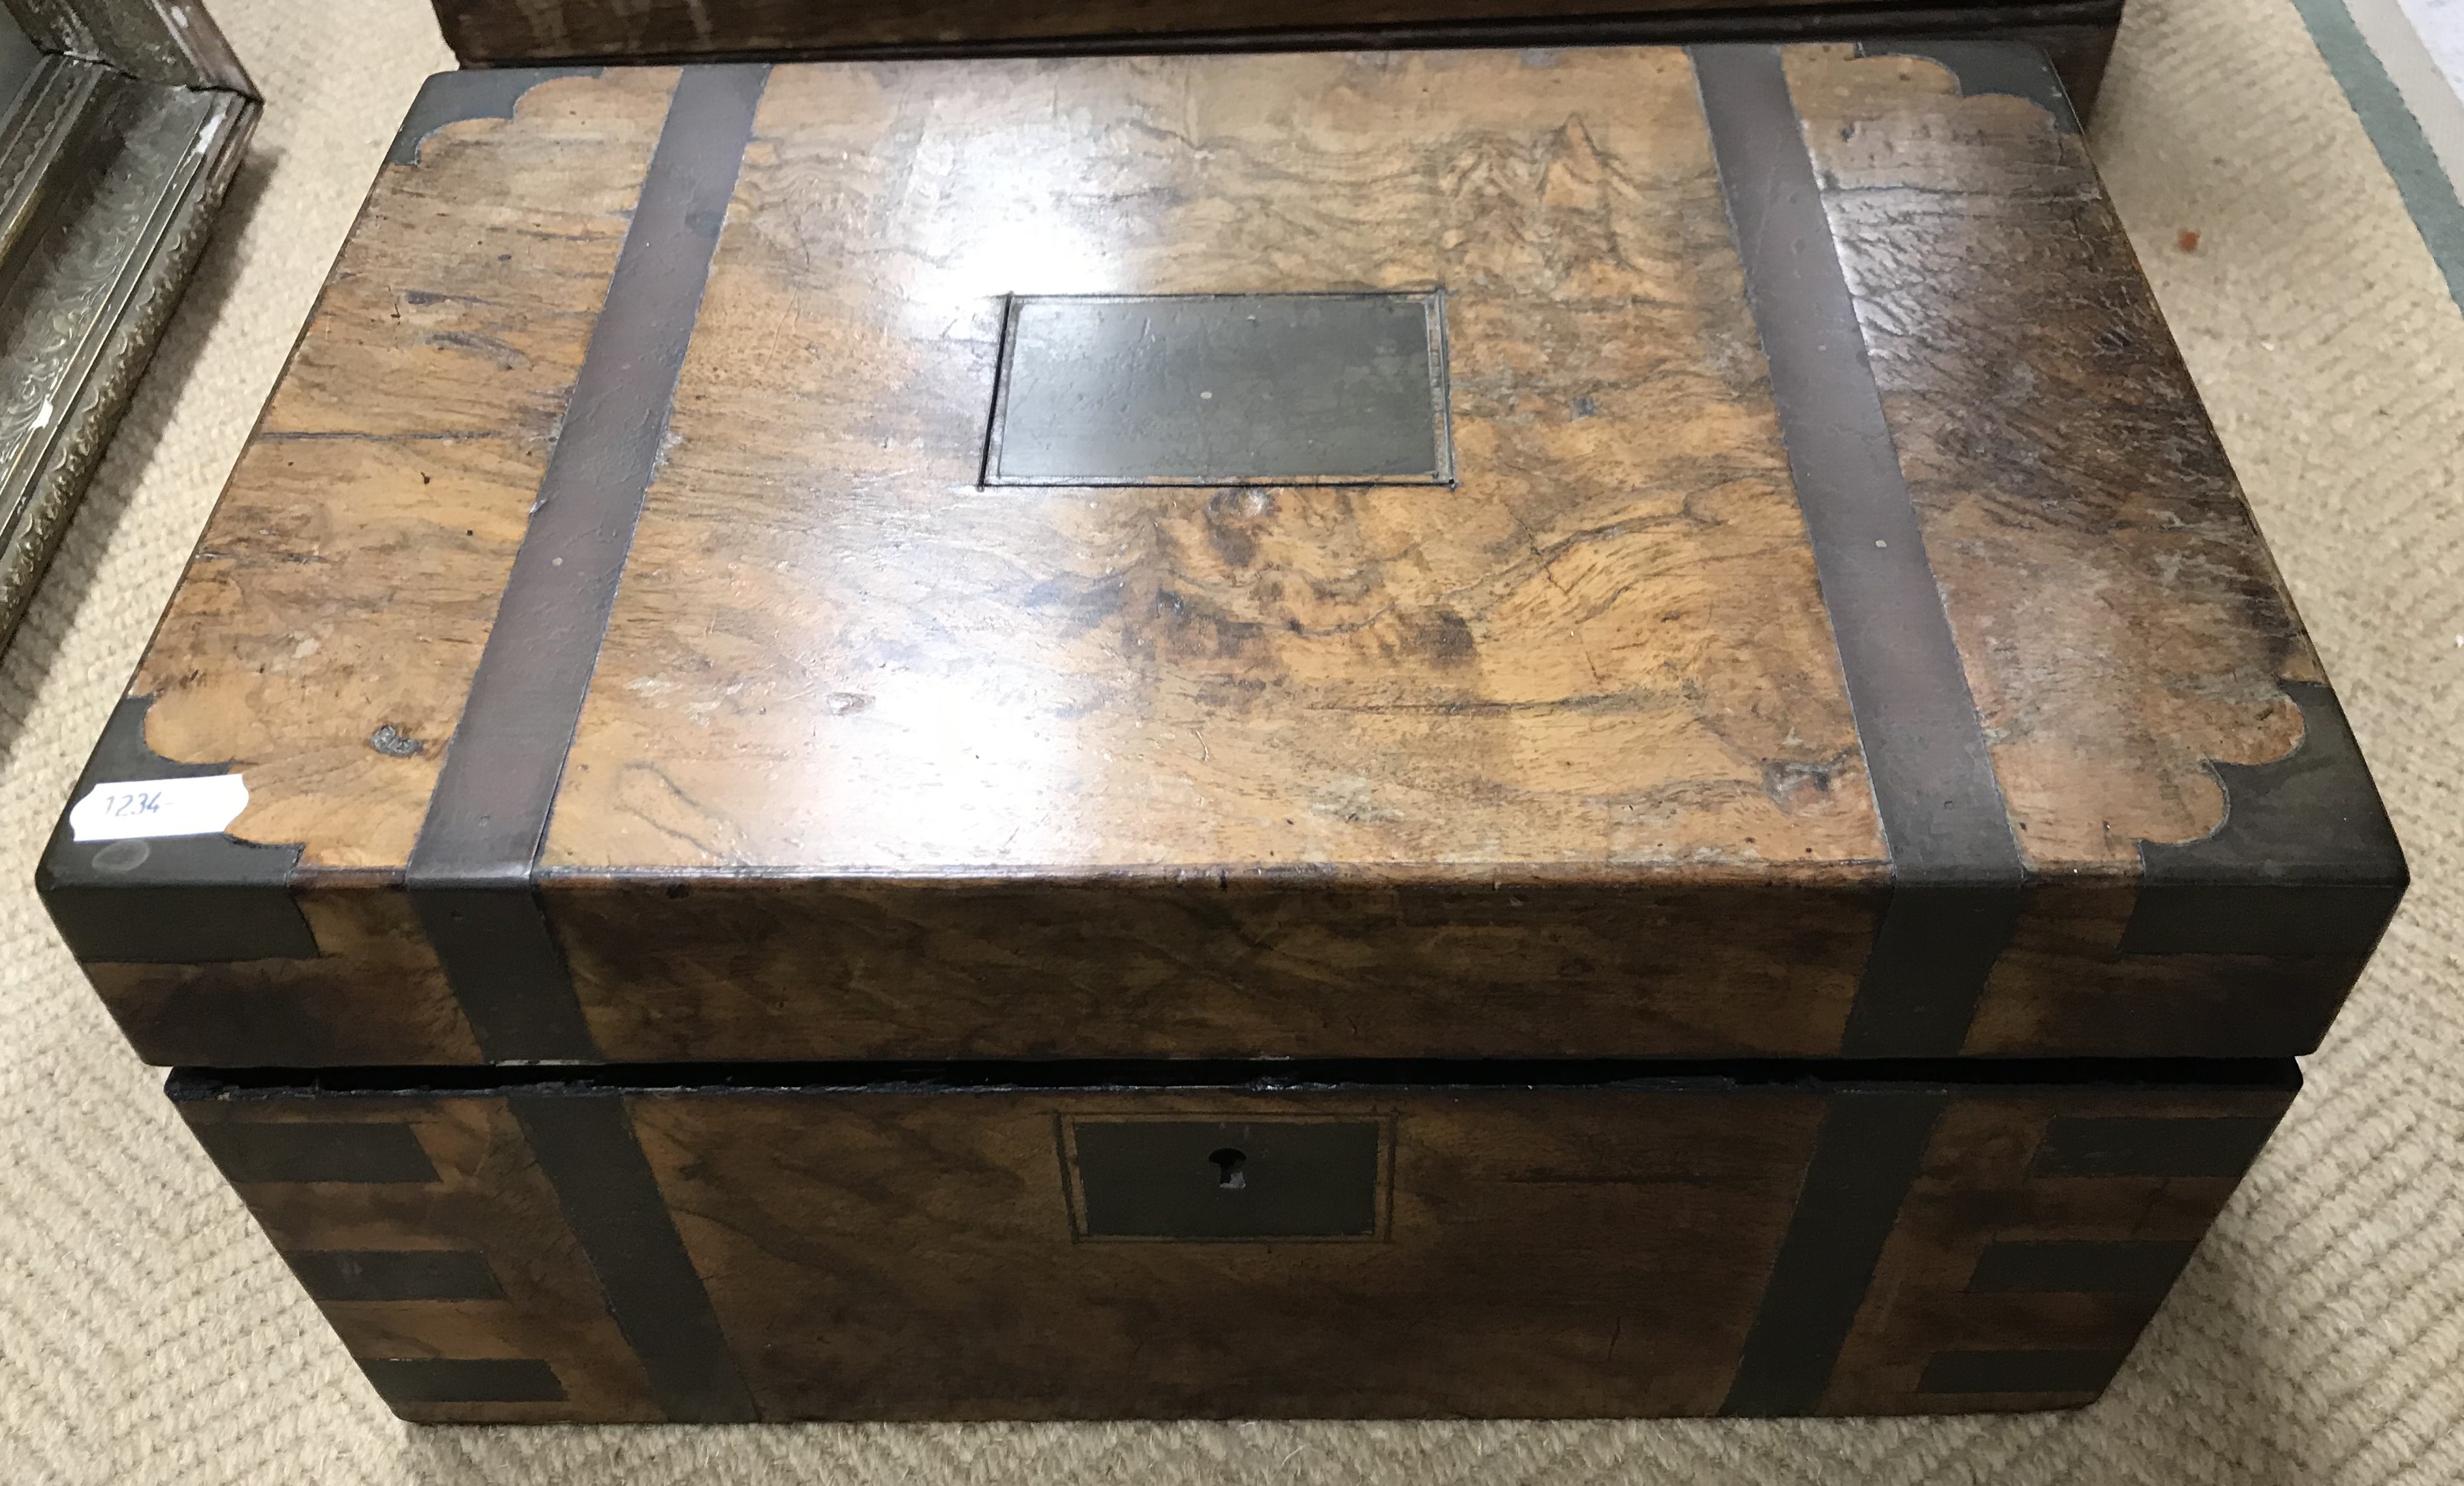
[{"x": 149, "y": 1335}]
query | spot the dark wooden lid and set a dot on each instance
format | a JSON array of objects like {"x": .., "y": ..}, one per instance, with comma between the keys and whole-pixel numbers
[
  {"x": 1621, "y": 552},
  {"x": 2076, "y": 35}
]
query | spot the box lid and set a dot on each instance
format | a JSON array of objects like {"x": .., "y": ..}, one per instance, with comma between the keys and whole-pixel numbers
[
  {"x": 1610, "y": 552},
  {"x": 2076, "y": 35}
]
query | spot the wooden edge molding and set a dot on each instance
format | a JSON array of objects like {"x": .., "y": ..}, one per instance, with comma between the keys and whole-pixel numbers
[{"x": 1208, "y": 1075}]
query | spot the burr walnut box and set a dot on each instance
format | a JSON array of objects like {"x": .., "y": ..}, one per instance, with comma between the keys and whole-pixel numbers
[
  {"x": 1396, "y": 733},
  {"x": 2076, "y": 35}
]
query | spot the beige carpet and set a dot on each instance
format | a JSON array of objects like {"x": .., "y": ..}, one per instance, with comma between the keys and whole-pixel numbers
[{"x": 149, "y": 1334}]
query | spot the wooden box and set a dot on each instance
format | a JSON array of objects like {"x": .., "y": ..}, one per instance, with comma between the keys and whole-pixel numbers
[
  {"x": 1057, "y": 1240},
  {"x": 2076, "y": 35},
  {"x": 1403, "y": 732}
]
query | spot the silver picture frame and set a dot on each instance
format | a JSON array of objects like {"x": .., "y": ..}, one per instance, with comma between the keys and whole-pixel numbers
[{"x": 124, "y": 120}]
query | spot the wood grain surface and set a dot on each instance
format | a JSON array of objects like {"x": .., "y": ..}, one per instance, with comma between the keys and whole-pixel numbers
[
  {"x": 833, "y": 653},
  {"x": 1583, "y": 1249},
  {"x": 501, "y": 31},
  {"x": 876, "y": 1257},
  {"x": 1986, "y": 1181},
  {"x": 2064, "y": 979},
  {"x": 375, "y": 994},
  {"x": 1301, "y": 968},
  {"x": 487, "y": 1196},
  {"x": 1553, "y": 760},
  {"x": 2121, "y": 620},
  {"x": 2121, "y": 623},
  {"x": 349, "y": 576}
]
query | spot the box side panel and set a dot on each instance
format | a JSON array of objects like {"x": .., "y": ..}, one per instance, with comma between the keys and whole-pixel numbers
[
  {"x": 426, "y": 1232},
  {"x": 2041, "y": 1234}
]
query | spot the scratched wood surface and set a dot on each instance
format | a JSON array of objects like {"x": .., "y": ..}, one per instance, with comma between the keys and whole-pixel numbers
[
  {"x": 2121, "y": 623},
  {"x": 346, "y": 582}
]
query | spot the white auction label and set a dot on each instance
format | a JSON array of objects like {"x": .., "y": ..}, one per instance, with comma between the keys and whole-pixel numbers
[{"x": 158, "y": 807}]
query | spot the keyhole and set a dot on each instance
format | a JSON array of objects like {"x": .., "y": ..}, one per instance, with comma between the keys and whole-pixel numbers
[{"x": 1227, "y": 1164}]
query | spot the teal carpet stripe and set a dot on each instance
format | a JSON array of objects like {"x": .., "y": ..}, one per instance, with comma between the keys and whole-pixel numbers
[{"x": 2402, "y": 145}]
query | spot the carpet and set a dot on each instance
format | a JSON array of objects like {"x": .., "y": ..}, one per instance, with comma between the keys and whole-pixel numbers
[{"x": 148, "y": 1333}]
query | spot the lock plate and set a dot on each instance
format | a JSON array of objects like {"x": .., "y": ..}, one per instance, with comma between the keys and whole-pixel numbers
[{"x": 1231, "y": 1179}]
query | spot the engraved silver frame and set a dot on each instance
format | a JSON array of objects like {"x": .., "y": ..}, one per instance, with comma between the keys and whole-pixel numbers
[{"x": 113, "y": 160}]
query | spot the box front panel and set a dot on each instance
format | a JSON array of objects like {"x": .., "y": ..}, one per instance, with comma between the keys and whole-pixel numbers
[
  {"x": 1660, "y": 1247},
  {"x": 915, "y": 1256},
  {"x": 757, "y": 970}
]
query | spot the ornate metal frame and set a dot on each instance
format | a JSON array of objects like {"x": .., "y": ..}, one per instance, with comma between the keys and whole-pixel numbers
[{"x": 130, "y": 120}]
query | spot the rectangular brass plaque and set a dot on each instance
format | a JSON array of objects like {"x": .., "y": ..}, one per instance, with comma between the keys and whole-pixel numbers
[{"x": 1221, "y": 389}]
